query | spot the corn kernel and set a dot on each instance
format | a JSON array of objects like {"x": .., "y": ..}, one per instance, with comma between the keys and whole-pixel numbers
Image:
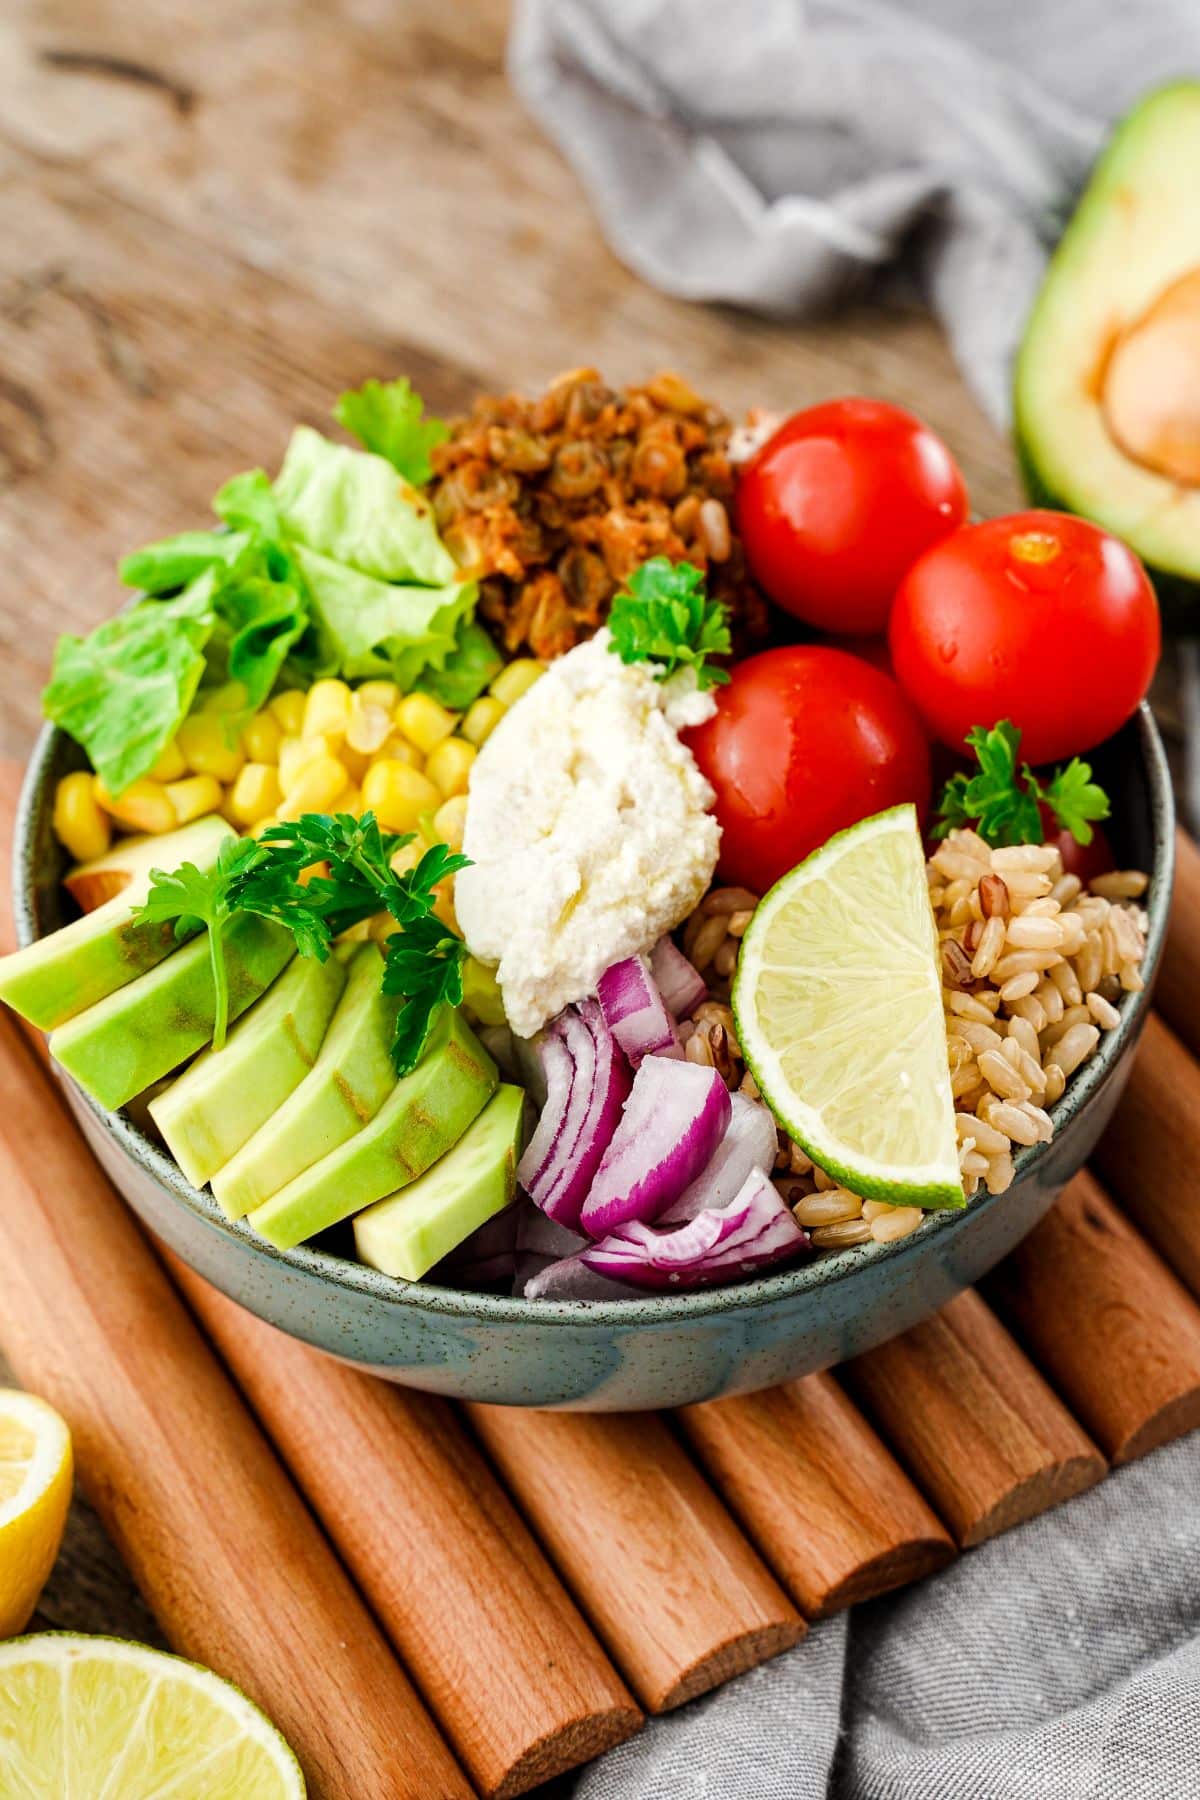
[
  {"x": 194, "y": 796},
  {"x": 318, "y": 787},
  {"x": 406, "y": 858},
  {"x": 382, "y": 926},
  {"x": 482, "y": 718},
  {"x": 398, "y": 795},
  {"x": 449, "y": 821},
  {"x": 295, "y": 754},
  {"x": 449, "y": 765},
  {"x": 256, "y": 831},
  {"x": 379, "y": 693},
  {"x": 352, "y": 802},
  {"x": 262, "y": 737},
  {"x": 355, "y": 762},
  {"x": 256, "y": 793},
  {"x": 170, "y": 765},
  {"x": 288, "y": 711},
  {"x": 203, "y": 740},
  {"x": 144, "y": 806},
  {"x": 368, "y": 727},
  {"x": 398, "y": 749},
  {"x": 230, "y": 697},
  {"x": 327, "y": 709},
  {"x": 443, "y": 906},
  {"x": 423, "y": 722},
  {"x": 515, "y": 679},
  {"x": 79, "y": 822}
]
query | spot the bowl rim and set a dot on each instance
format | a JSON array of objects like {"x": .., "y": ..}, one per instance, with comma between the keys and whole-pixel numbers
[{"x": 653, "y": 1308}]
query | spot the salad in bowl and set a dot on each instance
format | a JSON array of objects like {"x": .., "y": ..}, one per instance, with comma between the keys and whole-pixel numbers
[{"x": 490, "y": 899}]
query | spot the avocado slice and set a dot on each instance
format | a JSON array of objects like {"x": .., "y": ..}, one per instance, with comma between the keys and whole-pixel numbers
[
  {"x": 148, "y": 1027},
  {"x": 425, "y": 1113},
  {"x": 346, "y": 1086},
  {"x": 222, "y": 1099},
  {"x": 410, "y": 1231},
  {"x": 1107, "y": 392},
  {"x": 62, "y": 975}
]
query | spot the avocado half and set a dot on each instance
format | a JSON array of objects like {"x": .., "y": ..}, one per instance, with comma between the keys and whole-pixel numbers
[{"x": 1107, "y": 396}]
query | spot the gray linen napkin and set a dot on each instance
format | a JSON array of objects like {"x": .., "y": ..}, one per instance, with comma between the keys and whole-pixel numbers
[
  {"x": 1060, "y": 1662},
  {"x": 780, "y": 153}
]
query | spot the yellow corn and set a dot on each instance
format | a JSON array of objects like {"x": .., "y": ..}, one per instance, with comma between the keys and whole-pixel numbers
[
  {"x": 515, "y": 679},
  {"x": 144, "y": 806},
  {"x": 398, "y": 795},
  {"x": 170, "y": 765},
  {"x": 379, "y": 693},
  {"x": 262, "y": 737},
  {"x": 449, "y": 765},
  {"x": 206, "y": 749},
  {"x": 382, "y": 926},
  {"x": 194, "y": 796},
  {"x": 482, "y": 718},
  {"x": 355, "y": 762},
  {"x": 423, "y": 722},
  {"x": 295, "y": 754},
  {"x": 351, "y": 802},
  {"x": 326, "y": 710},
  {"x": 398, "y": 749},
  {"x": 443, "y": 905},
  {"x": 319, "y": 785},
  {"x": 257, "y": 830},
  {"x": 449, "y": 821},
  {"x": 230, "y": 697},
  {"x": 256, "y": 793},
  {"x": 79, "y": 821},
  {"x": 368, "y": 726},
  {"x": 405, "y": 860},
  {"x": 288, "y": 711}
]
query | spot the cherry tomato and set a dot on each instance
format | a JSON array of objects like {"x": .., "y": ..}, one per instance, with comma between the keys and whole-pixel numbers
[
  {"x": 1085, "y": 860},
  {"x": 839, "y": 503},
  {"x": 805, "y": 741},
  {"x": 1040, "y": 618}
]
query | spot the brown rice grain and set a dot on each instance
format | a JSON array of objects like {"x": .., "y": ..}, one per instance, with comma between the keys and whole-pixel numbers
[
  {"x": 1050, "y": 999},
  {"x": 984, "y": 1136},
  {"x": 1000, "y": 1172},
  {"x": 980, "y": 1037},
  {"x": 987, "y": 951},
  {"x": 1038, "y": 857},
  {"x": 1026, "y": 1036},
  {"x": 1103, "y": 1011},
  {"x": 1075, "y": 1046},
  {"x": 799, "y": 1161},
  {"x": 1024, "y": 933},
  {"x": 956, "y": 964},
  {"x": 825, "y": 1182},
  {"x": 1020, "y": 962},
  {"x": 1001, "y": 1077},
  {"x": 841, "y": 1236},
  {"x": 1067, "y": 982},
  {"x": 739, "y": 920},
  {"x": 1066, "y": 889},
  {"x": 1072, "y": 1016},
  {"x": 993, "y": 897},
  {"x": 965, "y": 1080},
  {"x": 959, "y": 866},
  {"x": 896, "y": 1222},
  {"x": 973, "y": 1163},
  {"x": 1030, "y": 1007},
  {"x": 1018, "y": 986},
  {"x": 1056, "y": 1082},
  {"x": 1011, "y": 1121},
  {"x": 1131, "y": 978},
  {"x": 967, "y": 1006},
  {"x": 1042, "y": 1120},
  {"x": 1024, "y": 886},
  {"x": 1121, "y": 884},
  {"x": 1073, "y": 933},
  {"x": 830, "y": 1208}
]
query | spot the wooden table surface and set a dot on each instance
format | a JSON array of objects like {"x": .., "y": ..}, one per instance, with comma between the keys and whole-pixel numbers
[{"x": 216, "y": 217}]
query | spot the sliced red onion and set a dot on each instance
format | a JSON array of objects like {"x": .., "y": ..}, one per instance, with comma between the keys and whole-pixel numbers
[
  {"x": 674, "y": 1118},
  {"x": 571, "y": 1279},
  {"x": 539, "y": 1236},
  {"x": 599, "y": 1087},
  {"x": 636, "y": 1012},
  {"x": 722, "y": 1243},
  {"x": 750, "y": 1142},
  {"x": 551, "y": 1176},
  {"x": 548, "y": 1054},
  {"x": 681, "y": 986}
]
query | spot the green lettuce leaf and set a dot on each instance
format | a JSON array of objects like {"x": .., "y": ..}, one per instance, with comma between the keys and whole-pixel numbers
[
  {"x": 123, "y": 691},
  {"x": 352, "y": 507},
  {"x": 473, "y": 662},
  {"x": 367, "y": 627},
  {"x": 259, "y": 621},
  {"x": 165, "y": 567},
  {"x": 385, "y": 417}
]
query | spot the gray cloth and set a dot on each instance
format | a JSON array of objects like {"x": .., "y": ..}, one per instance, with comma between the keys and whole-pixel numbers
[
  {"x": 778, "y": 154},
  {"x": 1060, "y": 1662}
]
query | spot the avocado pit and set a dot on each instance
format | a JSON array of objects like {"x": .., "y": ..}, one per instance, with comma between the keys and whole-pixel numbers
[{"x": 1151, "y": 386}]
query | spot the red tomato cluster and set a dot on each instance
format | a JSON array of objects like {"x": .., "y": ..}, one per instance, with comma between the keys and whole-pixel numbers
[{"x": 852, "y": 515}]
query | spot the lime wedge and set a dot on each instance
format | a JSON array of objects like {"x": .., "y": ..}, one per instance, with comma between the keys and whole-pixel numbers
[
  {"x": 838, "y": 1004},
  {"x": 112, "y": 1721}
]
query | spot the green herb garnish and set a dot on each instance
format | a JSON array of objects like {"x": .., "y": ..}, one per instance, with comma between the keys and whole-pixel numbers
[
  {"x": 664, "y": 616},
  {"x": 386, "y": 418},
  {"x": 206, "y": 896},
  {"x": 1003, "y": 799}
]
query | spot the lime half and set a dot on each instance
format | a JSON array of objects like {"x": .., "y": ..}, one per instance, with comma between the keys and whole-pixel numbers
[
  {"x": 838, "y": 1003},
  {"x": 104, "y": 1720}
]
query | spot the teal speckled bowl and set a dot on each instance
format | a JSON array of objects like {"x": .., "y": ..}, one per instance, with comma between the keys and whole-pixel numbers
[{"x": 660, "y": 1351}]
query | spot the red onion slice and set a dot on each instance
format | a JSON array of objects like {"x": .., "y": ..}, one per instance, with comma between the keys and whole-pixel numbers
[
  {"x": 681, "y": 986},
  {"x": 550, "y": 1184},
  {"x": 571, "y": 1279},
  {"x": 674, "y": 1118},
  {"x": 635, "y": 1010},
  {"x": 723, "y": 1243},
  {"x": 539, "y": 1236},
  {"x": 548, "y": 1053},
  {"x": 750, "y": 1142}
]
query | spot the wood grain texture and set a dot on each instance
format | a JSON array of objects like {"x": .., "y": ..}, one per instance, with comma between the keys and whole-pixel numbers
[
  {"x": 827, "y": 1505},
  {"x": 973, "y": 1421},
  {"x": 1177, "y": 988},
  {"x": 657, "y": 1564},
  {"x": 505, "y": 1662},
  {"x": 208, "y": 1523},
  {"x": 1150, "y": 1154},
  {"x": 1107, "y": 1322}
]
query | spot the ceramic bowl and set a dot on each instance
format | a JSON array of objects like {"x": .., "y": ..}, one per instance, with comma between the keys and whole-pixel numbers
[{"x": 654, "y": 1352}]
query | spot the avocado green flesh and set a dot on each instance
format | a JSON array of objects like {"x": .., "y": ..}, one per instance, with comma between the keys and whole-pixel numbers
[
  {"x": 150, "y": 1026},
  {"x": 1134, "y": 234},
  {"x": 221, "y": 1100},
  {"x": 344, "y": 1089},
  {"x": 424, "y": 1115},
  {"x": 62, "y": 975},
  {"x": 406, "y": 1234}
]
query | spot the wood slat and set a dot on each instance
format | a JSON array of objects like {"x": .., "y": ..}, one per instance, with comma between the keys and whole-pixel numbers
[
  {"x": 978, "y": 1428},
  {"x": 513, "y": 1675},
  {"x": 1177, "y": 988},
  {"x": 825, "y": 1502},
  {"x": 1106, "y": 1320},
  {"x": 657, "y": 1564}
]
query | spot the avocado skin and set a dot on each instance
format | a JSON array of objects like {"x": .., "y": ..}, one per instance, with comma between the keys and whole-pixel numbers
[
  {"x": 406, "y": 1234},
  {"x": 424, "y": 1115},
  {"x": 134, "y": 1037}
]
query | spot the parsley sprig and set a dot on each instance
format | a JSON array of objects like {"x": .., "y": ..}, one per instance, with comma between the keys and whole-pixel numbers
[
  {"x": 1003, "y": 798},
  {"x": 664, "y": 616},
  {"x": 271, "y": 876}
]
